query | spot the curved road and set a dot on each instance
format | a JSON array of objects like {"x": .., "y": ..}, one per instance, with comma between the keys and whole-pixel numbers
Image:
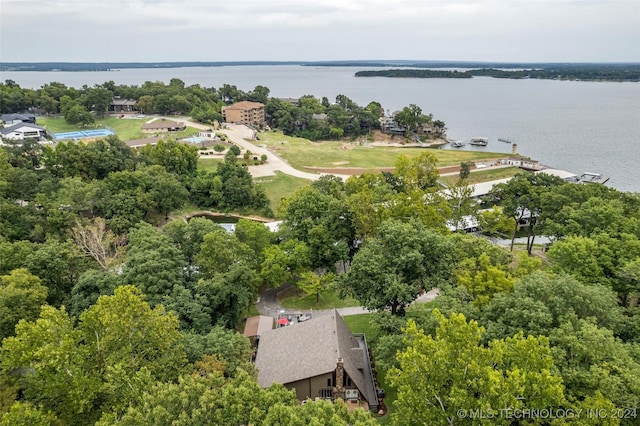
[{"x": 239, "y": 133}]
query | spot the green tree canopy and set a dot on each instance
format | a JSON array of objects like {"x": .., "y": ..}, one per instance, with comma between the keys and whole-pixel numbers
[
  {"x": 438, "y": 376},
  {"x": 153, "y": 263},
  {"x": 21, "y": 296},
  {"x": 540, "y": 303},
  {"x": 391, "y": 269},
  {"x": 119, "y": 347}
]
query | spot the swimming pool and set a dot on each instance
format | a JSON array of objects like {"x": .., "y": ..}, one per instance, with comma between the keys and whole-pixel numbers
[
  {"x": 83, "y": 134},
  {"x": 194, "y": 139}
]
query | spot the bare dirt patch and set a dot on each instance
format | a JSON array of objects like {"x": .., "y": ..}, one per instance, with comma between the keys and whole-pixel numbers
[
  {"x": 349, "y": 170},
  {"x": 360, "y": 170}
]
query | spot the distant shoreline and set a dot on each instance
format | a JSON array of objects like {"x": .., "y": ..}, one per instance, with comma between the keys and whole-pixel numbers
[
  {"x": 601, "y": 69},
  {"x": 585, "y": 73}
]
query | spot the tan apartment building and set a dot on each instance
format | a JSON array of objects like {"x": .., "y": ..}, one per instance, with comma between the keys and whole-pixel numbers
[{"x": 245, "y": 112}]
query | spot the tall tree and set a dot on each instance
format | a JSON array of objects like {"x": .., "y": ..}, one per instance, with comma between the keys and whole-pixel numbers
[
  {"x": 411, "y": 117},
  {"x": 220, "y": 250},
  {"x": 391, "y": 269},
  {"x": 175, "y": 157},
  {"x": 119, "y": 347},
  {"x": 153, "y": 263},
  {"x": 521, "y": 198},
  {"x": 418, "y": 173},
  {"x": 541, "y": 302},
  {"x": 98, "y": 242},
  {"x": 21, "y": 296},
  {"x": 591, "y": 361},
  {"x": 483, "y": 279},
  {"x": 438, "y": 377}
]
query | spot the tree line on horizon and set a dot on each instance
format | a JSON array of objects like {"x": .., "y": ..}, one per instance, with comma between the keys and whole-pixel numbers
[
  {"x": 308, "y": 116},
  {"x": 582, "y": 73}
]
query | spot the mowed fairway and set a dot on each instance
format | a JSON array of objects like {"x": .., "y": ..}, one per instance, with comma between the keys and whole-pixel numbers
[
  {"x": 280, "y": 186},
  {"x": 302, "y": 153}
]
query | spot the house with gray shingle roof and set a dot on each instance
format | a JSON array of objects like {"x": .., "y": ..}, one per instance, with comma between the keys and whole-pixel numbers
[
  {"x": 118, "y": 104},
  {"x": 163, "y": 126},
  {"x": 319, "y": 358},
  {"x": 21, "y": 131},
  {"x": 11, "y": 119}
]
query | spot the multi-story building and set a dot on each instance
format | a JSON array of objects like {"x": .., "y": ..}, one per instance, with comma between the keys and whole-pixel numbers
[{"x": 245, "y": 112}]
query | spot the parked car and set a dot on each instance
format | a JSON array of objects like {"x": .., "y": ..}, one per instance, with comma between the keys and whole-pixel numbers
[{"x": 304, "y": 317}]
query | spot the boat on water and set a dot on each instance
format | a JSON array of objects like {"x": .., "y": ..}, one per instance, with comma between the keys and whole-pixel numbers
[
  {"x": 588, "y": 177},
  {"x": 479, "y": 141},
  {"x": 456, "y": 143},
  {"x": 504, "y": 140}
]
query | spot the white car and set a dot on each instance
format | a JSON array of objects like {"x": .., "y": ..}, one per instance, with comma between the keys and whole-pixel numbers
[{"x": 304, "y": 317}]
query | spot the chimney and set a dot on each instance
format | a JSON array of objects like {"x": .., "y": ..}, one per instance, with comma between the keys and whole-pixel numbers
[{"x": 338, "y": 390}]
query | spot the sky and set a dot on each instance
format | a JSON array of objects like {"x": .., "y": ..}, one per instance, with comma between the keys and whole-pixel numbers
[{"x": 313, "y": 30}]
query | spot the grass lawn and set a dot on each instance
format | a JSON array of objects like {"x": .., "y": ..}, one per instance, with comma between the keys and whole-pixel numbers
[
  {"x": 328, "y": 299},
  {"x": 360, "y": 324},
  {"x": 301, "y": 153},
  {"x": 280, "y": 186},
  {"x": 126, "y": 128},
  {"x": 390, "y": 397},
  {"x": 209, "y": 164},
  {"x": 484, "y": 175}
]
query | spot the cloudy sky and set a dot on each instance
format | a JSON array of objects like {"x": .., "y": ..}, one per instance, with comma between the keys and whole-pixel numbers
[{"x": 236, "y": 30}]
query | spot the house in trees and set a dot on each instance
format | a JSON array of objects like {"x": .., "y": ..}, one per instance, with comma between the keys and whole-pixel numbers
[
  {"x": 389, "y": 126},
  {"x": 21, "y": 131},
  {"x": 118, "y": 104},
  {"x": 165, "y": 126},
  {"x": 245, "y": 112},
  {"x": 319, "y": 358},
  {"x": 11, "y": 119},
  {"x": 137, "y": 143}
]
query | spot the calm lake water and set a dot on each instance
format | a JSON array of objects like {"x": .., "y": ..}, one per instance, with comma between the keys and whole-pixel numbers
[{"x": 570, "y": 125}]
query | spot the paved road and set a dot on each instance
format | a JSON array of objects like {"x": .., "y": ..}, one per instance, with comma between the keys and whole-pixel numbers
[
  {"x": 239, "y": 133},
  {"x": 268, "y": 304}
]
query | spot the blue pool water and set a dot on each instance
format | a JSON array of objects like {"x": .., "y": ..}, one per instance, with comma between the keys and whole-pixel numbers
[
  {"x": 83, "y": 134},
  {"x": 194, "y": 139}
]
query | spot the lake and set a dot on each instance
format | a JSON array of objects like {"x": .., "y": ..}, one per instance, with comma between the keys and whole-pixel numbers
[{"x": 571, "y": 125}]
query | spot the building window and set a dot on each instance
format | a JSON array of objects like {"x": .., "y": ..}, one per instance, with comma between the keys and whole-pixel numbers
[
  {"x": 326, "y": 393},
  {"x": 329, "y": 382}
]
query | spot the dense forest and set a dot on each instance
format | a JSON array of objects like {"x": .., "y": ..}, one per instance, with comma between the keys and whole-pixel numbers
[{"x": 114, "y": 310}]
